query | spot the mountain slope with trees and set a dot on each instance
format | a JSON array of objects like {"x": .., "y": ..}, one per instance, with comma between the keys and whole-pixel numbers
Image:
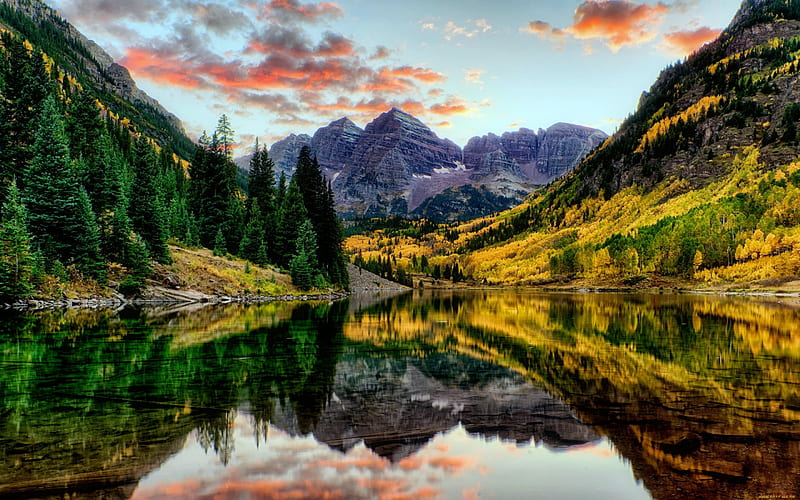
[
  {"x": 700, "y": 184},
  {"x": 94, "y": 182}
]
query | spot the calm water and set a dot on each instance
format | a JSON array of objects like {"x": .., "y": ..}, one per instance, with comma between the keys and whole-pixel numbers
[{"x": 426, "y": 395}]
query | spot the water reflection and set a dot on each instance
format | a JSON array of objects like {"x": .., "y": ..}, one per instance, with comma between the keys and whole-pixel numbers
[{"x": 698, "y": 395}]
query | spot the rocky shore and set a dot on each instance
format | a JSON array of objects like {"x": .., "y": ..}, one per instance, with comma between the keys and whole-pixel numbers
[{"x": 118, "y": 301}]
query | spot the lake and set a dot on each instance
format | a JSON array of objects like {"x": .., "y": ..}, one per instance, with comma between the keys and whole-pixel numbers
[{"x": 463, "y": 395}]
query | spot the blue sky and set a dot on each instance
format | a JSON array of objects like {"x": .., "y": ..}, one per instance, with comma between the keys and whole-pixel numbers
[{"x": 465, "y": 67}]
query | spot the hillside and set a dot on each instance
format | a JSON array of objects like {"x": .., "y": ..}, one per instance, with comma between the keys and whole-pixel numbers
[
  {"x": 101, "y": 190},
  {"x": 701, "y": 184},
  {"x": 89, "y": 67}
]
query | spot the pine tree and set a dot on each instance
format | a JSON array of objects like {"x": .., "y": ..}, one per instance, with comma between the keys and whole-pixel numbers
[
  {"x": 253, "y": 238},
  {"x": 147, "y": 211},
  {"x": 213, "y": 191},
  {"x": 303, "y": 266},
  {"x": 16, "y": 257},
  {"x": 319, "y": 202},
  {"x": 84, "y": 126},
  {"x": 60, "y": 219},
  {"x": 261, "y": 185},
  {"x": 24, "y": 87},
  {"x": 220, "y": 248},
  {"x": 292, "y": 215},
  {"x": 225, "y": 137}
]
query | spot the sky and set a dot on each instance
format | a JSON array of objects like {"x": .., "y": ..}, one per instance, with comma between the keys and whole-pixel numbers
[{"x": 464, "y": 67}]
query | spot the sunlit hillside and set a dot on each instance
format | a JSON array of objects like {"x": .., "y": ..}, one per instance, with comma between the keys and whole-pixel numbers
[{"x": 699, "y": 187}]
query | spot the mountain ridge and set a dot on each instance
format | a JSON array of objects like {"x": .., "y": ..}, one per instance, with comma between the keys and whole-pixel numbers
[{"x": 397, "y": 166}]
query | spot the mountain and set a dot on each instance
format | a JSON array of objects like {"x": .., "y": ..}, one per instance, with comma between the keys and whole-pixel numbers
[
  {"x": 699, "y": 185},
  {"x": 399, "y": 166},
  {"x": 92, "y": 68}
]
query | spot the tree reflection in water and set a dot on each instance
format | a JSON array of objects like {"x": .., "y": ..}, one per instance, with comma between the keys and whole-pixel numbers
[{"x": 698, "y": 393}]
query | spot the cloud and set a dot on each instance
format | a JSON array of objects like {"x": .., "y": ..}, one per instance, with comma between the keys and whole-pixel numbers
[
  {"x": 682, "y": 43},
  {"x": 618, "y": 23},
  {"x": 294, "y": 11},
  {"x": 381, "y": 52},
  {"x": 219, "y": 18},
  {"x": 106, "y": 11},
  {"x": 277, "y": 39},
  {"x": 544, "y": 30},
  {"x": 452, "y": 30},
  {"x": 474, "y": 76}
]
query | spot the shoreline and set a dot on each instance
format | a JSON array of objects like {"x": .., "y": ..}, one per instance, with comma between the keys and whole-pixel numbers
[
  {"x": 193, "y": 297},
  {"x": 118, "y": 302}
]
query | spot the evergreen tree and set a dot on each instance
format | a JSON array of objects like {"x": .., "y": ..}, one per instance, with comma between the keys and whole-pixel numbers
[
  {"x": 220, "y": 248},
  {"x": 280, "y": 191},
  {"x": 292, "y": 215},
  {"x": 212, "y": 191},
  {"x": 84, "y": 126},
  {"x": 319, "y": 202},
  {"x": 303, "y": 266},
  {"x": 261, "y": 185},
  {"x": 253, "y": 238},
  {"x": 147, "y": 211},
  {"x": 224, "y": 137},
  {"x": 60, "y": 217},
  {"x": 16, "y": 257},
  {"x": 24, "y": 87}
]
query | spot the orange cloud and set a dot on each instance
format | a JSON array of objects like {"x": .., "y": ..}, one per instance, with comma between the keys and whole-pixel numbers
[
  {"x": 453, "y": 106},
  {"x": 160, "y": 68},
  {"x": 619, "y": 22},
  {"x": 685, "y": 42},
  {"x": 544, "y": 30},
  {"x": 308, "y": 12}
]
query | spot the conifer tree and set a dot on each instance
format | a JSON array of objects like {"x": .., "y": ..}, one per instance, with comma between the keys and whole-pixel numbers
[
  {"x": 24, "y": 88},
  {"x": 319, "y": 201},
  {"x": 303, "y": 266},
  {"x": 253, "y": 238},
  {"x": 261, "y": 185},
  {"x": 220, "y": 248},
  {"x": 60, "y": 218},
  {"x": 293, "y": 214},
  {"x": 213, "y": 191},
  {"x": 147, "y": 211},
  {"x": 16, "y": 257},
  {"x": 84, "y": 126}
]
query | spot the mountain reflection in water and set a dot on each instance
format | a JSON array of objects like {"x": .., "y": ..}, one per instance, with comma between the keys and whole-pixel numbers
[{"x": 423, "y": 395}]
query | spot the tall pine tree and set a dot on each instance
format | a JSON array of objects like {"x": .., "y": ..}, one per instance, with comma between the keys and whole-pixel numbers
[
  {"x": 60, "y": 220},
  {"x": 303, "y": 266},
  {"x": 16, "y": 257},
  {"x": 261, "y": 186},
  {"x": 292, "y": 215},
  {"x": 147, "y": 211},
  {"x": 319, "y": 201}
]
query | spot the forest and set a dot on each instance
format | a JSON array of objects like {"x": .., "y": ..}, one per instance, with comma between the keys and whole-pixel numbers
[{"x": 86, "y": 195}]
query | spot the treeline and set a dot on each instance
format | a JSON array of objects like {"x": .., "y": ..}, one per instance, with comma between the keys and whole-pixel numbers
[
  {"x": 387, "y": 267},
  {"x": 80, "y": 191}
]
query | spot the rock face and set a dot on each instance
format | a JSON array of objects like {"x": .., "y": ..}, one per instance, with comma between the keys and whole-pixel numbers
[
  {"x": 334, "y": 144},
  {"x": 399, "y": 166},
  {"x": 285, "y": 152},
  {"x": 394, "y": 151},
  {"x": 541, "y": 157}
]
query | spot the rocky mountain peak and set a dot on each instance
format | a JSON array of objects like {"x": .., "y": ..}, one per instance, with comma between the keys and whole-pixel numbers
[{"x": 395, "y": 119}]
